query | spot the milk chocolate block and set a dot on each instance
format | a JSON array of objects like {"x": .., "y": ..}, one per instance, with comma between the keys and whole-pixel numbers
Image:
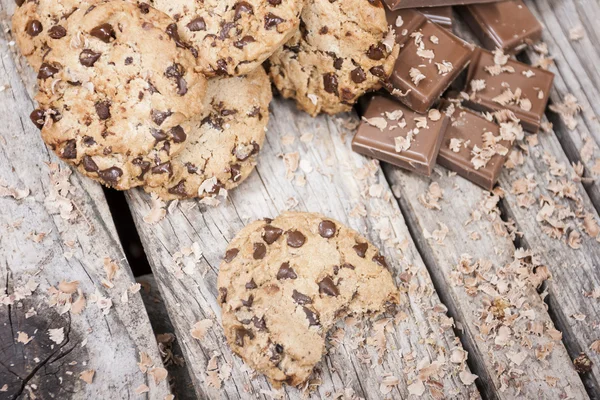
[
  {"x": 430, "y": 58},
  {"x": 508, "y": 25},
  {"x": 440, "y": 15},
  {"x": 495, "y": 82},
  {"x": 392, "y": 133},
  {"x": 472, "y": 147},
  {"x": 401, "y": 4}
]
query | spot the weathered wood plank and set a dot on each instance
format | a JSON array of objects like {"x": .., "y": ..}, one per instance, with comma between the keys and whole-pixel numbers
[
  {"x": 575, "y": 271},
  {"x": 39, "y": 249},
  {"x": 337, "y": 184},
  {"x": 489, "y": 290},
  {"x": 576, "y": 72}
]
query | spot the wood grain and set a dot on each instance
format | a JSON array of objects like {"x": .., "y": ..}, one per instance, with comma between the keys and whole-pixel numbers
[
  {"x": 576, "y": 72},
  {"x": 337, "y": 186},
  {"x": 37, "y": 244},
  {"x": 575, "y": 272},
  {"x": 510, "y": 369}
]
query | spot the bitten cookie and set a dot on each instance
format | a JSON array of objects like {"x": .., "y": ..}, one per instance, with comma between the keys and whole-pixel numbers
[
  {"x": 114, "y": 96},
  {"x": 285, "y": 282},
  {"x": 224, "y": 141},
  {"x": 343, "y": 49},
  {"x": 233, "y": 37},
  {"x": 39, "y": 25}
]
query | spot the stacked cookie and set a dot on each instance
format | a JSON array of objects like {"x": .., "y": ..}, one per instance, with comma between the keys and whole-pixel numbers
[{"x": 172, "y": 95}]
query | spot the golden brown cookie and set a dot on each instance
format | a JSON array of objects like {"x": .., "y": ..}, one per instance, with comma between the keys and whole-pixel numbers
[
  {"x": 285, "y": 282},
  {"x": 343, "y": 49},
  {"x": 115, "y": 94},
  {"x": 223, "y": 142}
]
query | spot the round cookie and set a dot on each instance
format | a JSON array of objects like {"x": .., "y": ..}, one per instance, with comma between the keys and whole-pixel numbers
[
  {"x": 223, "y": 142},
  {"x": 114, "y": 95},
  {"x": 233, "y": 37},
  {"x": 285, "y": 282},
  {"x": 38, "y": 25},
  {"x": 343, "y": 49}
]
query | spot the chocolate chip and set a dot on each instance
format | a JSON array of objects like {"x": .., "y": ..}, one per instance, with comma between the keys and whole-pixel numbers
[
  {"x": 34, "y": 28},
  {"x": 279, "y": 348},
  {"x": 176, "y": 73},
  {"x": 327, "y": 229},
  {"x": 271, "y": 234},
  {"x": 376, "y": 51},
  {"x": 160, "y": 116},
  {"x": 249, "y": 302},
  {"x": 158, "y": 134},
  {"x": 178, "y": 134},
  {"x": 272, "y": 20},
  {"x": 313, "y": 318},
  {"x": 260, "y": 250},
  {"x": 104, "y": 32},
  {"x": 38, "y": 117},
  {"x": 69, "y": 152},
  {"x": 89, "y": 164},
  {"x": 378, "y": 71},
  {"x": 144, "y": 8},
  {"x": 174, "y": 34},
  {"x": 46, "y": 71},
  {"x": 330, "y": 83},
  {"x": 358, "y": 75},
  {"x": 259, "y": 323},
  {"x": 222, "y": 295},
  {"x": 379, "y": 259},
  {"x": 328, "y": 287},
  {"x": 179, "y": 189},
  {"x": 349, "y": 266},
  {"x": 88, "y": 58},
  {"x": 231, "y": 254},
  {"x": 197, "y": 24},
  {"x": 286, "y": 272},
  {"x": 103, "y": 110},
  {"x": 251, "y": 285},
  {"x": 295, "y": 239},
  {"x": 236, "y": 172},
  {"x": 301, "y": 298},
  {"x": 240, "y": 44},
  {"x": 338, "y": 62},
  {"x": 57, "y": 32},
  {"x": 164, "y": 168},
  {"x": 111, "y": 175},
  {"x": 240, "y": 334},
  {"x": 242, "y": 8},
  {"x": 361, "y": 249},
  {"x": 274, "y": 2}
]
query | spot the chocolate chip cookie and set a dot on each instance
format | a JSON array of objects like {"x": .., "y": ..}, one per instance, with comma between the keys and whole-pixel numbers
[
  {"x": 233, "y": 37},
  {"x": 224, "y": 141},
  {"x": 342, "y": 50},
  {"x": 285, "y": 282},
  {"x": 38, "y": 25},
  {"x": 115, "y": 94}
]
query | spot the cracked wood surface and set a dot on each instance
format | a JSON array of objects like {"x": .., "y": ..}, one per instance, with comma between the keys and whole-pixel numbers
[
  {"x": 575, "y": 272},
  {"x": 72, "y": 251},
  {"x": 576, "y": 72},
  {"x": 507, "y": 370},
  {"x": 337, "y": 186}
]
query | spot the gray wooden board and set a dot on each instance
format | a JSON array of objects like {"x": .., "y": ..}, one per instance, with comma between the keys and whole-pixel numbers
[
  {"x": 575, "y": 272},
  {"x": 576, "y": 72},
  {"x": 337, "y": 186},
  {"x": 71, "y": 250},
  {"x": 510, "y": 369}
]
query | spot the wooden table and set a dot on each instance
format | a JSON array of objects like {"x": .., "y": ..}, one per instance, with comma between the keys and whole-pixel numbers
[{"x": 452, "y": 257}]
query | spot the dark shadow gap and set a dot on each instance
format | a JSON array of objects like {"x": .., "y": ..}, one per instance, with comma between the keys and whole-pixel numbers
[{"x": 128, "y": 234}]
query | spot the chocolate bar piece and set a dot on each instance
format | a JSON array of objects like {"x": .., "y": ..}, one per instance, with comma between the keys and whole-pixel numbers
[
  {"x": 508, "y": 25},
  {"x": 430, "y": 58},
  {"x": 472, "y": 147},
  {"x": 439, "y": 15},
  {"x": 495, "y": 82},
  {"x": 402, "y": 4},
  {"x": 392, "y": 133}
]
